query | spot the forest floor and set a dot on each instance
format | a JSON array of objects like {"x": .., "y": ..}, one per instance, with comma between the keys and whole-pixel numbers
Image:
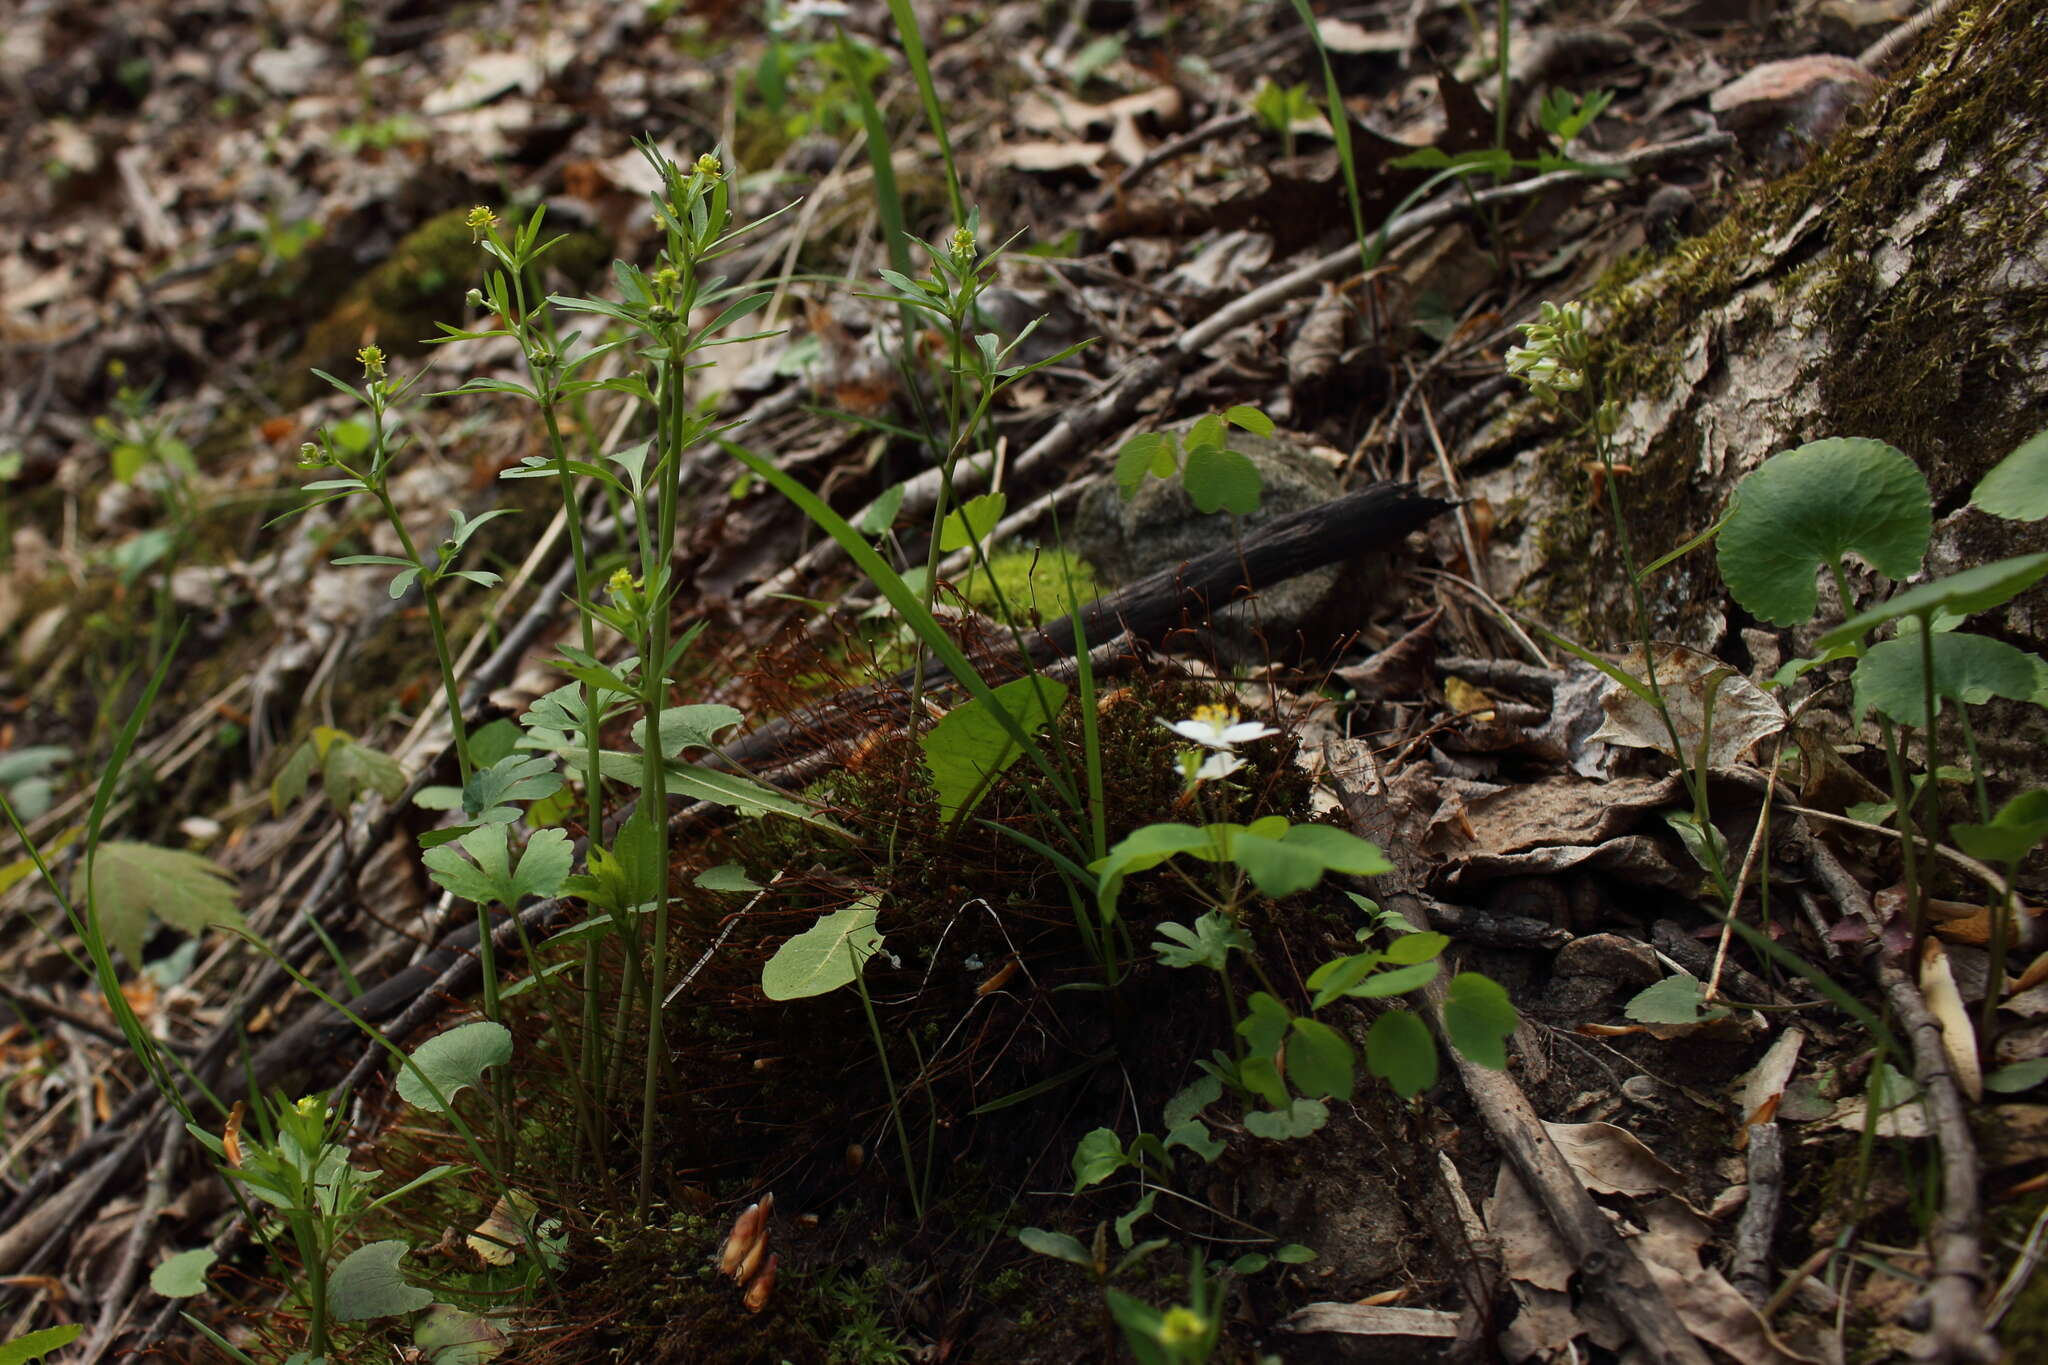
[{"x": 1019, "y": 1127}]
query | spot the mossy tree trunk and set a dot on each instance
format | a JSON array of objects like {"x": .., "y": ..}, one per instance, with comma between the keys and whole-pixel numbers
[{"x": 1896, "y": 287}]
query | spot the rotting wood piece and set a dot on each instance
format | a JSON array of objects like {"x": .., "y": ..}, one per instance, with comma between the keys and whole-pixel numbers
[{"x": 1150, "y": 609}]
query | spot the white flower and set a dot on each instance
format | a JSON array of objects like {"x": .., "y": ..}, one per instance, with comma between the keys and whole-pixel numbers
[
  {"x": 1217, "y": 767},
  {"x": 1217, "y": 727}
]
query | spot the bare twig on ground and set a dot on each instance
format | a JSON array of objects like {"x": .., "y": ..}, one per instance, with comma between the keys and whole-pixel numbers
[
  {"x": 1950, "y": 1310},
  {"x": 1750, "y": 1269}
]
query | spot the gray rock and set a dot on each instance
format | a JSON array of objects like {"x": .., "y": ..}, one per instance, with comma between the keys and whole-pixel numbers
[{"x": 1160, "y": 528}]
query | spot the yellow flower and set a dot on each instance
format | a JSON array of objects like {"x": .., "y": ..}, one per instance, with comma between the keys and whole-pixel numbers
[
  {"x": 371, "y": 358},
  {"x": 710, "y": 167},
  {"x": 480, "y": 221}
]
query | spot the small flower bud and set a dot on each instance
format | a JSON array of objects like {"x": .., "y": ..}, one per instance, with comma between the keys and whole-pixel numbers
[
  {"x": 763, "y": 1287},
  {"x": 963, "y": 245},
  {"x": 668, "y": 277},
  {"x": 371, "y": 358},
  {"x": 661, "y": 317},
  {"x": 710, "y": 167},
  {"x": 311, "y": 456},
  {"x": 474, "y": 299}
]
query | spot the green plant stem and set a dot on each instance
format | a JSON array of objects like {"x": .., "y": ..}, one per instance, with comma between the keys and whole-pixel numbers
[
  {"x": 654, "y": 793},
  {"x": 910, "y": 1169},
  {"x": 1902, "y": 818},
  {"x": 458, "y": 731},
  {"x": 2001, "y": 925},
  {"x": 1500, "y": 58},
  {"x": 589, "y": 1063},
  {"x": 1695, "y": 781}
]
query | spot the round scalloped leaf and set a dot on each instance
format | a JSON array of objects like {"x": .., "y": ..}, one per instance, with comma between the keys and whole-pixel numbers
[
  {"x": 1806, "y": 508},
  {"x": 2017, "y": 486},
  {"x": 1970, "y": 669},
  {"x": 1959, "y": 595},
  {"x": 184, "y": 1274},
  {"x": 368, "y": 1284},
  {"x": 453, "y": 1061}
]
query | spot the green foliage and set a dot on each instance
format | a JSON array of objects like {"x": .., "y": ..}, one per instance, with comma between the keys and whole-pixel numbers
[
  {"x": 1216, "y": 477},
  {"x": 131, "y": 882},
  {"x": 26, "y": 777},
  {"x": 2020, "y": 825},
  {"x": 971, "y": 746},
  {"x": 183, "y": 1274},
  {"x": 2017, "y": 487},
  {"x": 1805, "y": 509},
  {"x": 824, "y": 957},
  {"x": 449, "y": 1063},
  {"x": 491, "y": 879},
  {"x": 1399, "y": 1050},
  {"x": 1679, "y": 999},
  {"x": 347, "y": 769},
  {"x": 369, "y": 1284},
  {"x": 33, "y": 1346},
  {"x": 1968, "y": 670},
  {"x": 1960, "y": 594}
]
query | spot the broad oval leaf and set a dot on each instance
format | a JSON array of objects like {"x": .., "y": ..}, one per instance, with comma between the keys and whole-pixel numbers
[
  {"x": 1220, "y": 479},
  {"x": 825, "y": 956},
  {"x": 1968, "y": 669},
  {"x": 1960, "y": 594},
  {"x": 971, "y": 522},
  {"x": 970, "y": 747},
  {"x": 453, "y": 1061},
  {"x": 1319, "y": 1062},
  {"x": 1400, "y": 1051},
  {"x": 2019, "y": 825},
  {"x": 1478, "y": 1018},
  {"x": 368, "y": 1284},
  {"x": 2017, "y": 486},
  {"x": 36, "y": 1345},
  {"x": 450, "y": 1336},
  {"x": 1097, "y": 1157},
  {"x": 1249, "y": 418},
  {"x": 1057, "y": 1245},
  {"x": 1805, "y": 508},
  {"x": 1297, "y": 1120}
]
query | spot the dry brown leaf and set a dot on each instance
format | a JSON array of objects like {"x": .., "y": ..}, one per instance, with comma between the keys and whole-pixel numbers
[
  {"x": 1743, "y": 713},
  {"x": 1706, "y": 1302},
  {"x": 1765, "y": 1084},
  {"x": 498, "y": 1238},
  {"x": 1612, "y": 1160},
  {"x": 1945, "y": 1002}
]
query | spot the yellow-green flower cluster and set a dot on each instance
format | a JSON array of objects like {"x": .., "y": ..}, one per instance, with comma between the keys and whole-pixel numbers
[{"x": 1553, "y": 361}]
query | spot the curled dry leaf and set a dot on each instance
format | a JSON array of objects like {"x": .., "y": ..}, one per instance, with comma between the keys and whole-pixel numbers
[
  {"x": 1743, "y": 713},
  {"x": 1945, "y": 1002},
  {"x": 1765, "y": 1085}
]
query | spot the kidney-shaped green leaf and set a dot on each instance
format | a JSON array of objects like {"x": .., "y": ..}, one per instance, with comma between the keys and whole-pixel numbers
[
  {"x": 452, "y": 1061},
  {"x": 368, "y": 1284},
  {"x": 1805, "y": 508}
]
